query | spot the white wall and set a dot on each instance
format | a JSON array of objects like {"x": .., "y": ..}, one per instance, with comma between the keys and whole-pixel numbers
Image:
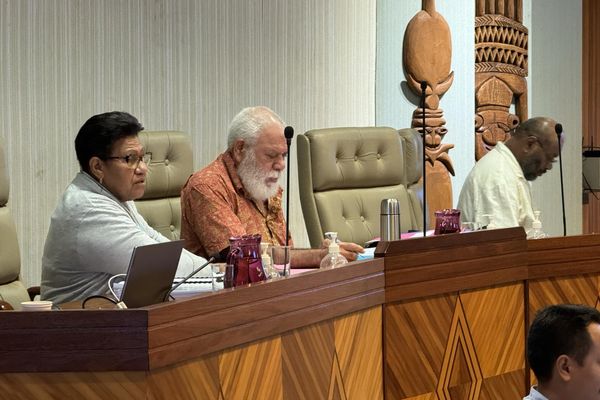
[
  {"x": 175, "y": 64},
  {"x": 555, "y": 68},
  {"x": 554, "y": 89}
]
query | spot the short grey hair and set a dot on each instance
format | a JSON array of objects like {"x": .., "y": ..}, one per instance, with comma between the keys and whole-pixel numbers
[{"x": 249, "y": 123}]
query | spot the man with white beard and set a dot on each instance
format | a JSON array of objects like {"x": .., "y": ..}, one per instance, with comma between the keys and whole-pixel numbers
[{"x": 239, "y": 194}]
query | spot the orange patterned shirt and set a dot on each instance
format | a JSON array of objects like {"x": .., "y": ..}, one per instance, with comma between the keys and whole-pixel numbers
[{"x": 215, "y": 206}]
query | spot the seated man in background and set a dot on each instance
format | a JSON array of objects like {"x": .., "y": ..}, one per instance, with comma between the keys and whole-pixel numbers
[
  {"x": 499, "y": 184},
  {"x": 239, "y": 194},
  {"x": 563, "y": 349},
  {"x": 96, "y": 226}
]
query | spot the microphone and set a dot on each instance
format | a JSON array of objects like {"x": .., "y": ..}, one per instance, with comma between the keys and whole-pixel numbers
[
  {"x": 423, "y": 88},
  {"x": 559, "y": 130},
  {"x": 184, "y": 280},
  {"x": 289, "y": 134}
]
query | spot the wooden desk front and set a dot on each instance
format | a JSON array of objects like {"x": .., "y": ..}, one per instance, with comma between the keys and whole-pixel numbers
[{"x": 442, "y": 317}]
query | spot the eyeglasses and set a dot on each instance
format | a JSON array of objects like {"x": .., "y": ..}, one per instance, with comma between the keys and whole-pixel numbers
[{"x": 133, "y": 160}]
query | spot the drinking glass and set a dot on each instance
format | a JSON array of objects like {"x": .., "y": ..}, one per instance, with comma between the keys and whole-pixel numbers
[{"x": 281, "y": 257}]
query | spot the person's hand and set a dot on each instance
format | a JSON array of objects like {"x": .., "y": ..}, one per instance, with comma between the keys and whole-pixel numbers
[{"x": 350, "y": 250}]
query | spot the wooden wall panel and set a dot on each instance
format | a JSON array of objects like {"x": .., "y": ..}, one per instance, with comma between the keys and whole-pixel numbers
[
  {"x": 498, "y": 332},
  {"x": 575, "y": 290},
  {"x": 336, "y": 359},
  {"x": 421, "y": 326},
  {"x": 510, "y": 384},
  {"x": 359, "y": 353},
  {"x": 428, "y": 396},
  {"x": 201, "y": 325},
  {"x": 465, "y": 345},
  {"x": 73, "y": 385},
  {"x": 175, "y": 381},
  {"x": 252, "y": 371},
  {"x": 307, "y": 358}
]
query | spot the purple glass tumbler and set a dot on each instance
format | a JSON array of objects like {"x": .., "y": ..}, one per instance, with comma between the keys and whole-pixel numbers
[{"x": 447, "y": 221}]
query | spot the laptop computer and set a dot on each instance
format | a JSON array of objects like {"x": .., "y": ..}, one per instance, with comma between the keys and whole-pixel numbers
[{"x": 150, "y": 274}]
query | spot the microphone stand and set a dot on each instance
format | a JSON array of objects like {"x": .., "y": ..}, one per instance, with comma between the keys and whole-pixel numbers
[
  {"x": 558, "y": 129},
  {"x": 423, "y": 87},
  {"x": 289, "y": 134}
]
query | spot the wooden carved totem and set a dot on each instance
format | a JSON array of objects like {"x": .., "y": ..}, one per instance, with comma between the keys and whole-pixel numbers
[
  {"x": 500, "y": 71},
  {"x": 427, "y": 54}
]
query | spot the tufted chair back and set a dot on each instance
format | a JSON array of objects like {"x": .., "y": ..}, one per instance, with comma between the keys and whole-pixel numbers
[
  {"x": 172, "y": 164},
  {"x": 12, "y": 289},
  {"x": 344, "y": 173}
]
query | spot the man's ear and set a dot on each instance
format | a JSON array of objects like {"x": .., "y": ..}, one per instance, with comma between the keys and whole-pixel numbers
[
  {"x": 96, "y": 168},
  {"x": 238, "y": 150},
  {"x": 564, "y": 367}
]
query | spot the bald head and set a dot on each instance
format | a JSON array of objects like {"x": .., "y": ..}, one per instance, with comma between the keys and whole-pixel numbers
[
  {"x": 540, "y": 127},
  {"x": 535, "y": 146}
]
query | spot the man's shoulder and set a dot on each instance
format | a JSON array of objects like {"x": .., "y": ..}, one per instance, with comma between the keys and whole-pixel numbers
[
  {"x": 212, "y": 171},
  {"x": 493, "y": 163},
  {"x": 211, "y": 177}
]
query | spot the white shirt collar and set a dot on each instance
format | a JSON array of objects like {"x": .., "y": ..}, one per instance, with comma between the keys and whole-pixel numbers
[{"x": 535, "y": 395}]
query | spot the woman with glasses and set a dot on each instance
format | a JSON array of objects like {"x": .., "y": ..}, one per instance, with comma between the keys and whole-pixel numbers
[{"x": 96, "y": 225}]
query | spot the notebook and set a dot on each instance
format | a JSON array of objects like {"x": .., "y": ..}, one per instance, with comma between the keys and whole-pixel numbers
[{"x": 150, "y": 273}]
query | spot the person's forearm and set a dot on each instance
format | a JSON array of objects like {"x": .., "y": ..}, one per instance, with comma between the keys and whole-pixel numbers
[{"x": 307, "y": 258}]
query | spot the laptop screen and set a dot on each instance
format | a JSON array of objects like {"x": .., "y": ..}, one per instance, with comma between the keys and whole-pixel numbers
[{"x": 150, "y": 273}]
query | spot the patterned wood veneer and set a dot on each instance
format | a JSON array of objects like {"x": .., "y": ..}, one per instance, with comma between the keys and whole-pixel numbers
[
  {"x": 336, "y": 359},
  {"x": 465, "y": 345},
  {"x": 469, "y": 343}
]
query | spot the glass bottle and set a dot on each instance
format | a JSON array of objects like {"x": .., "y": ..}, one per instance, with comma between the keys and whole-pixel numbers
[
  {"x": 536, "y": 231},
  {"x": 333, "y": 258}
]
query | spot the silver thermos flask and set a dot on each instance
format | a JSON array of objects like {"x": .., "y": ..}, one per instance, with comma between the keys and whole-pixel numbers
[{"x": 390, "y": 220}]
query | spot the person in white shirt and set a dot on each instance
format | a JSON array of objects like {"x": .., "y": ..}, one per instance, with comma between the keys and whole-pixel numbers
[
  {"x": 563, "y": 350},
  {"x": 96, "y": 225},
  {"x": 499, "y": 184}
]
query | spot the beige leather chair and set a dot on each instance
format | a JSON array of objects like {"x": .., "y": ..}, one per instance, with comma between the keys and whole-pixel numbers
[
  {"x": 12, "y": 289},
  {"x": 344, "y": 173},
  {"x": 171, "y": 165}
]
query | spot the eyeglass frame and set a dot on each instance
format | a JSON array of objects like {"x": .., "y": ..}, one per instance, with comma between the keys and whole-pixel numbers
[{"x": 136, "y": 159}]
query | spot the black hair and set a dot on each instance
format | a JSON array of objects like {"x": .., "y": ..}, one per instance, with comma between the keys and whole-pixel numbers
[
  {"x": 557, "y": 330},
  {"x": 99, "y": 133}
]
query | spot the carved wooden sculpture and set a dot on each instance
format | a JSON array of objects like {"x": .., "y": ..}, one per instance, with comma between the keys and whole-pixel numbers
[
  {"x": 427, "y": 55},
  {"x": 500, "y": 71}
]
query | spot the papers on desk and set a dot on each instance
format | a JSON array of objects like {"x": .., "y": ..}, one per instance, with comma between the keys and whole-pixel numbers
[
  {"x": 195, "y": 286},
  {"x": 191, "y": 287}
]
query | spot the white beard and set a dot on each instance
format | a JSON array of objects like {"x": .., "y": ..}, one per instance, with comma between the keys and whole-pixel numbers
[{"x": 254, "y": 180}]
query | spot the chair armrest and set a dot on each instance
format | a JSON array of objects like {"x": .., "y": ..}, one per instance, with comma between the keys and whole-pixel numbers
[{"x": 4, "y": 306}]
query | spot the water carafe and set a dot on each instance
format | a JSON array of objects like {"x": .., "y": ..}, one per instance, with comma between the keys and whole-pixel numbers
[{"x": 244, "y": 263}]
